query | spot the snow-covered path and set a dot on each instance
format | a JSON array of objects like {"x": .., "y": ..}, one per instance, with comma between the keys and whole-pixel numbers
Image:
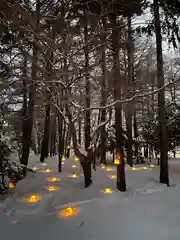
[{"x": 147, "y": 211}]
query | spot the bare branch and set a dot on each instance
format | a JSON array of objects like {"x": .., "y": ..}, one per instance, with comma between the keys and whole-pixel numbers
[{"x": 125, "y": 100}]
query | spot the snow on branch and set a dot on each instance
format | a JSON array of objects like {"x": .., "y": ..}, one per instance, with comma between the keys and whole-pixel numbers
[
  {"x": 82, "y": 150},
  {"x": 114, "y": 103},
  {"x": 61, "y": 113},
  {"x": 102, "y": 124}
]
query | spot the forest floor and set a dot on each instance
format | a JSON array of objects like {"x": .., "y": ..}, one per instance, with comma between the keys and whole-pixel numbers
[{"x": 146, "y": 211}]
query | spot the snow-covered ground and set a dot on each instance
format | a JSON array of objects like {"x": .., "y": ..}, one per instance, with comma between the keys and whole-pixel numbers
[{"x": 147, "y": 211}]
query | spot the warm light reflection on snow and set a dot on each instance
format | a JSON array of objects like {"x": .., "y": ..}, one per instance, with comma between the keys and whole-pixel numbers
[
  {"x": 34, "y": 168},
  {"x": 54, "y": 179},
  {"x": 74, "y": 175},
  {"x": 34, "y": 199},
  {"x": 112, "y": 177},
  {"x": 69, "y": 212},
  {"x": 44, "y": 164},
  {"x": 76, "y": 159},
  {"x": 52, "y": 188},
  {"x": 73, "y": 166},
  {"x": 108, "y": 169},
  {"x": 107, "y": 190},
  {"x": 133, "y": 169},
  {"x": 46, "y": 170},
  {"x": 11, "y": 185}
]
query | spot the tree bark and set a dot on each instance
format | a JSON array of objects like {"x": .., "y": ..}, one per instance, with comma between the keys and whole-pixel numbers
[
  {"x": 25, "y": 105},
  {"x": 79, "y": 128},
  {"x": 129, "y": 108},
  {"x": 85, "y": 158},
  {"x": 163, "y": 139},
  {"x": 121, "y": 182},
  {"x": 103, "y": 94},
  {"x": 45, "y": 141},
  {"x": 61, "y": 142},
  {"x": 49, "y": 61},
  {"x": 87, "y": 120},
  {"x": 28, "y": 125},
  {"x": 136, "y": 138},
  {"x": 87, "y": 123},
  {"x": 53, "y": 137}
]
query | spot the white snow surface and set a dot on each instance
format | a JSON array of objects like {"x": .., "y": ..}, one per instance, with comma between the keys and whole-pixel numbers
[{"x": 146, "y": 211}]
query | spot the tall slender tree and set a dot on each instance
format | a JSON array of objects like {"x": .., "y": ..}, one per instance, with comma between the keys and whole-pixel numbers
[
  {"x": 163, "y": 139},
  {"x": 32, "y": 91},
  {"x": 121, "y": 182},
  {"x": 103, "y": 89},
  {"x": 129, "y": 108}
]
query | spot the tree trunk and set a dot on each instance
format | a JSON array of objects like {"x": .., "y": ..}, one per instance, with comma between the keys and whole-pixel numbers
[
  {"x": 79, "y": 128},
  {"x": 163, "y": 139},
  {"x": 35, "y": 138},
  {"x": 121, "y": 182},
  {"x": 34, "y": 146},
  {"x": 87, "y": 120},
  {"x": 53, "y": 137},
  {"x": 28, "y": 125},
  {"x": 24, "y": 110},
  {"x": 61, "y": 142},
  {"x": 45, "y": 141},
  {"x": 103, "y": 94},
  {"x": 153, "y": 95},
  {"x": 174, "y": 153},
  {"x": 39, "y": 139},
  {"x": 49, "y": 61},
  {"x": 86, "y": 166},
  {"x": 85, "y": 159},
  {"x": 87, "y": 87},
  {"x": 67, "y": 142},
  {"x": 146, "y": 150},
  {"x": 129, "y": 108},
  {"x": 136, "y": 139}
]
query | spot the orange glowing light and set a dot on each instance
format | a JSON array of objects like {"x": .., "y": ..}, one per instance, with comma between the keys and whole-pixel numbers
[
  {"x": 108, "y": 169},
  {"x": 117, "y": 161},
  {"x": 73, "y": 166},
  {"x": 54, "y": 179},
  {"x": 107, "y": 190},
  {"x": 34, "y": 168},
  {"x": 34, "y": 199},
  {"x": 46, "y": 170},
  {"x": 11, "y": 185},
  {"x": 69, "y": 212},
  {"x": 53, "y": 188},
  {"x": 113, "y": 177}
]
